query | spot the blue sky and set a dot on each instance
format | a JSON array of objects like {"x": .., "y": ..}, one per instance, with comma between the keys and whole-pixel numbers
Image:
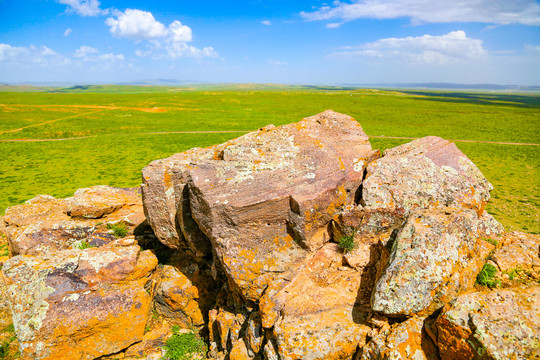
[{"x": 271, "y": 41}]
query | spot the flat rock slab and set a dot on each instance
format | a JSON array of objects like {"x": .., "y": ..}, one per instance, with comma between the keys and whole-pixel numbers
[
  {"x": 47, "y": 224},
  {"x": 79, "y": 304},
  {"x": 500, "y": 324}
]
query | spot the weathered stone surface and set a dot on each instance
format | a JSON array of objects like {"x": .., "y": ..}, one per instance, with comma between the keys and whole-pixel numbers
[
  {"x": 263, "y": 200},
  {"x": 405, "y": 340},
  {"x": 319, "y": 317},
  {"x": 518, "y": 252},
  {"x": 435, "y": 257},
  {"x": 46, "y": 224},
  {"x": 176, "y": 298},
  {"x": 239, "y": 351},
  {"x": 254, "y": 333},
  {"x": 500, "y": 324},
  {"x": 428, "y": 172},
  {"x": 151, "y": 344},
  {"x": 224, "y": 327},
  {"x": 79, "y": 304}
]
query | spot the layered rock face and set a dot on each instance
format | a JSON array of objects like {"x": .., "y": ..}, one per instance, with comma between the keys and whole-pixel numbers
[
  {"x": 291, "y": 242},
  {"x": 45, "y": 224}
]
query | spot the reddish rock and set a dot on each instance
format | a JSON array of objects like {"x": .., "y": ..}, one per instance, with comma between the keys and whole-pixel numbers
[
  {"x": 500, "y": 324},
  {"x": 264, "y": 200},
  {"x": 405, "y": 340},
  {"x": 317, "y": 312},
  {"x": 79, "y": 304},
  {"x": 428, "y": 172},
  {"x": 518, "y": 253},
  {"x": 176, "y": 298},
  {"x": 435, "y": 257},
  {"x": 46, "y": 224}
]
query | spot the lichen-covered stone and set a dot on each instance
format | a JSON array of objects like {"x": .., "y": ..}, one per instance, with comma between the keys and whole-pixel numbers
[
  {"x": 176, "y": 298},
  {"x": 404, "y": 340},
  {"x": 428, "y": 172},
  {"x": 264, "y": 200},
  {"x": 79, "y": 304},
  {"x": 47, "y": 224},
  {"x": 317, "y": 312},
  {"x": 518, "y": 252},
  {"x": 435, "y": 257},
  {"x": 499, "y": 324}
]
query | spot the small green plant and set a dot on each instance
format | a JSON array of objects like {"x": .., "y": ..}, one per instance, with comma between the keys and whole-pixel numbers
[
  {"x": 492, "y": 241},
  {"x": 346, "y": 243},
  {"x": 184, "y": 346},
  {"x": 84, "y": 245},
  {"x": 487, "y": 278},
  {"x": 4, "y": 250},
  {"x": 119, "y": 230}
]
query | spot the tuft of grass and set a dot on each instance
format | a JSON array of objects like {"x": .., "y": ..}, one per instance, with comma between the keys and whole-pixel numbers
[
  {"x": 84, "y": 245},
  {"x": 346, "y": 243},
  {"x": 487, "y": 278},
  {"x": 492, "y": 241},
  {"x": 119, "y": 230},
  {"x": 184, "y": 346}
]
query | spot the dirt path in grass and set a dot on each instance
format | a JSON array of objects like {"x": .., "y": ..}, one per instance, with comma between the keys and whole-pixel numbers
[
  {"x": 231, "y": 132},
  {"x": 47, "y": 122}
]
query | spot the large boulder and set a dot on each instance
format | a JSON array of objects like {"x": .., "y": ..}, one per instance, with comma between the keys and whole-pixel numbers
[
  {"x": 80, "y": 304},
  {"x": 428, "y": 172},
  {"x": 47, "y": 224},
  {"x": 264, "y": 201},
  {"x": 500, "y": 324},
  {"x": 435, "y": 257}
]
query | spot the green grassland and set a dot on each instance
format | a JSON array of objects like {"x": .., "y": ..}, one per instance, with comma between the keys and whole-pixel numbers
[{"x": 119, "y": 130}]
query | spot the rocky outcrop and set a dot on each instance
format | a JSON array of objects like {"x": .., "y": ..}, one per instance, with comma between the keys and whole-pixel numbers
[
  {"x": 429, "y": 172},
  {"x": 290, "y": 242},
  {"x": 435, "y": 257},
  {"x": 47, "y": 224},
  {"x": 500, "y": 324},
  {"x": 85, "y": 303}
]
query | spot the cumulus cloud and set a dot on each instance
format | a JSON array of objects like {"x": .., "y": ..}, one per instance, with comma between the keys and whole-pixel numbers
[
  {"x": 452, "y": 47},
  {"x": 526, "y": 12},
  {"x": 266, "y": 22},
  {"x": 172, "y": 40},
  {"x": 136, "y": 25},
  {"x": 68, "y": 32},
  {"x": 84, "y": 7}
]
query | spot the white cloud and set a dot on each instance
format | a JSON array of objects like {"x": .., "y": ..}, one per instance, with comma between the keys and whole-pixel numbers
[
  {"x": 35, "y": 56},
  {"x": 452, "y": 47},
  {"x": 171, "y": 41},
  {"x": 177, "y": 50},
  {"x": 266, "y": 22},
  {"x": 136, "y": 25},
  {"x": 525, "y": 12},
  {"x": 68, "y": 32},
  {"x": 179, "y": 32},
  {"x": 84, "y": 7},
  {"x": 84, "y": 51}
]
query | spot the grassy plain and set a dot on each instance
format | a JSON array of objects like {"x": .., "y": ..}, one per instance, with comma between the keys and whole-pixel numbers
[{"x": 119, "y": 130}]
